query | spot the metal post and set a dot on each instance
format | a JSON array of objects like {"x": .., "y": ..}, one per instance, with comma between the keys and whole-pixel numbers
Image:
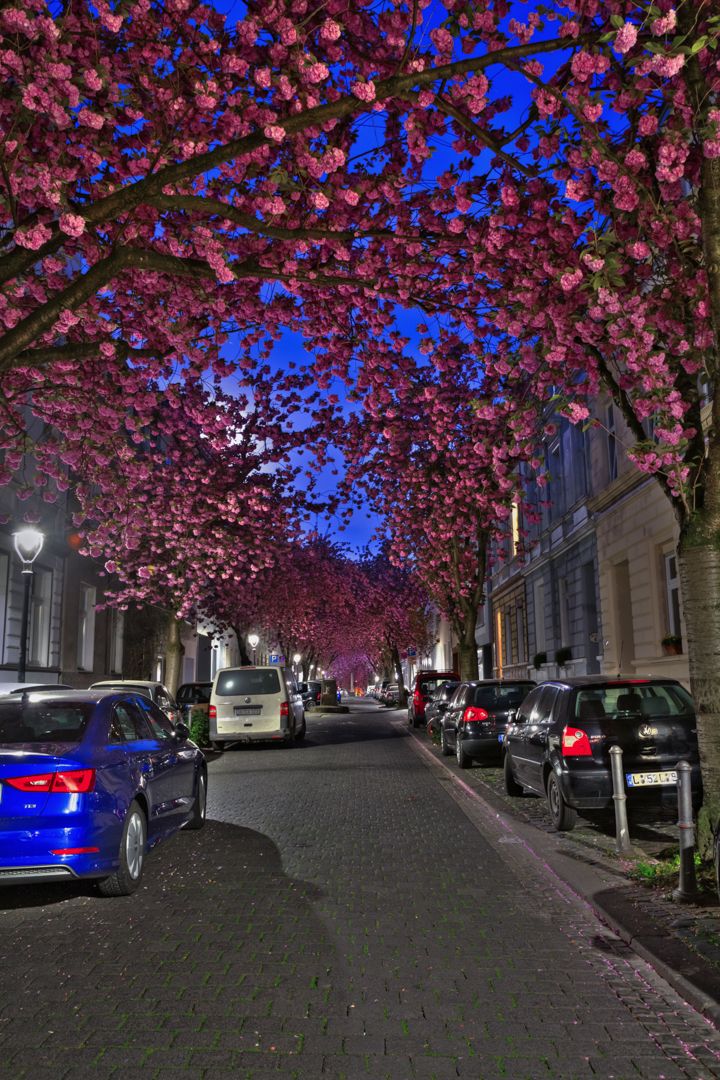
[
  {"x": 620, "y": 799},
  {"x": 22, "y": 662},
  {"x": 687, "y": 890}
]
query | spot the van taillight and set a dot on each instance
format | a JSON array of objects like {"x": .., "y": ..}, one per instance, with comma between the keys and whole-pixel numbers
[
  {"x": 284, "y": 709},
  {"x": 212, "y": 713},
  {"x": 575, "y": 742},
  {"x": 474, "y": 714}
]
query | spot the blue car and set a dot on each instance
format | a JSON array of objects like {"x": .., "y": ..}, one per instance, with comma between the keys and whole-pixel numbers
[{"x": 90, "y": 781}]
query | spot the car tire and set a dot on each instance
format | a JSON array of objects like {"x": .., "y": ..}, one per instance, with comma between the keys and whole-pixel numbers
[
  {"x": 415, "y": 721},
  {"x": 512, "y": 788},
  {"x": 300, "y": 735},
  {"x": 444, "y": 748},
  {"x": 133, "y": 845},
  {"x": 564, "y": 818},
  {"x": 218, "y": 747},
  {"x": 464, "y": 760},
  {"x": 199, "y": 806}
]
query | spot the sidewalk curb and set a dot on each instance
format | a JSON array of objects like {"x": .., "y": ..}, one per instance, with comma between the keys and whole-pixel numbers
[{"x": 684, "y": 970}]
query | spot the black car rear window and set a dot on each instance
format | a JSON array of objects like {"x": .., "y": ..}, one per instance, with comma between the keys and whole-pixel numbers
[
  {"x": 196, "y": 691},
  {"x": 38, "y": 721},
  {"x": 633, "y": 700},
  {"x": 427, "y": 686},
  {"x": 230, "y": 683},
  {"x": 501, "y": 696},
  {"x": 315, "y": 687}
]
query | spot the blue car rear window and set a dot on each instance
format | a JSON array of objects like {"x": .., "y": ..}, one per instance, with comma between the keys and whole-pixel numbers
[{"x": 39, "y": 721}]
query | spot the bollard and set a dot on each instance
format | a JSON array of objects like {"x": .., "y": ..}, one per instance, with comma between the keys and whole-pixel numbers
[
  {"x": 620, "y": 799},
  {"x": 687, "y": 890}
]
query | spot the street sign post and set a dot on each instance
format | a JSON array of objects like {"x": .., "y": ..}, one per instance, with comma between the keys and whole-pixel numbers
[{"x": 273, "y": 658}]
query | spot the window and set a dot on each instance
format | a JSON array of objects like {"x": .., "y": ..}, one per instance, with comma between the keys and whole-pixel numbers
[
  {"x": 525, "y": 710},
  {"x": 248, "y": 681},
  {"x": 539, "y": 593},
  {"x": 627, "y": 702},
  {"x": 117, "y": 630},
  {"x": 545, "y": 704},
  {"x": 502, "y": 695},
  {"x": 520, "y": 620},
  {"x": 611, "y": 443},
  {"x": 86, "y": 628},
  {"x": 31, "y": 720},
  {"x": 130, "y": 721},
  {"x": 673, "y": 594},
  {"x": 161, "y": 727},
  {"x": 564, "y": 617},
  {"x": 508, "y": 638},
  {"x": 40, "y": 612}
]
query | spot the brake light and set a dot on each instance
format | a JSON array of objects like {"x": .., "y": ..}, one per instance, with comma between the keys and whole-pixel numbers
[
  {"x": 40, "y": 782},
  {"x": 474, "y": 714},
  {"x": 212, "y": 713},
  {"x": 73, "y": 782},
  {"x": 575, "y": 742},
  {"x": 284, "y": 709}
]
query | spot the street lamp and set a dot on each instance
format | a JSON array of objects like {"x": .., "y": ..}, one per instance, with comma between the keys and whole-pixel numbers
[
  {"x": 297, "y": 658},
  {"x": 253, "y": 640},
  {"x": 28, "y": 545}
]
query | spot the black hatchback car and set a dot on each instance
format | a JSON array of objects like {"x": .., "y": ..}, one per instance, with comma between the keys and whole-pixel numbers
[
  {"x": 475, "y": 720},
  {"x": 558, "y": 743}
]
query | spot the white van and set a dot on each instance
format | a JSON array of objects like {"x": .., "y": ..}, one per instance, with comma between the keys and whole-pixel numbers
[{"x": 248, "y": 704}]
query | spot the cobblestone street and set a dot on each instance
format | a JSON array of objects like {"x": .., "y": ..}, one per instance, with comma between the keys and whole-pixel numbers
[{"x": 343, "y": 914}]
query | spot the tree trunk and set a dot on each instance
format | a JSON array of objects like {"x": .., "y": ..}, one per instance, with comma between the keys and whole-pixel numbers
[
  {"x": 240, "y": 634},
  {"x": 469, "y": 670},
  {"x": 174, "y": 652},
  {"x": 402, "y": 692}
]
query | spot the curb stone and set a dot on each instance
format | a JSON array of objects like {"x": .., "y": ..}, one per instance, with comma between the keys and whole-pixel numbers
[{"x": 684, "y": 970}]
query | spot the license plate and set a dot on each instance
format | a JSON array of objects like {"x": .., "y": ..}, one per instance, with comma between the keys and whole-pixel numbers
[
  {"x": 500, "y": 737},
  {"x": 239, "y": 711},
  {"x": 651, "y": 779}
]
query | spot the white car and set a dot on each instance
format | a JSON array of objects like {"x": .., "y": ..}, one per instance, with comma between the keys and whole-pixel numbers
[
  {"x": 153, "y": 690},
  {"x": 252, "y": 704}
]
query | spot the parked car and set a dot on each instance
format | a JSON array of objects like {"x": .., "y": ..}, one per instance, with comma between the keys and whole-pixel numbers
[
  {"x": 255, "y": 703},
  {"x": 370, "y": 692},
  {"x": 437, "y": 704},
  {"x": 390, "y": 695},
  {"x": 26, "y": 688},
  {"x": 194, "y": 695},
  {"x": 558, "y": 744},
  {"x": 311, "y": 692},
  {"x": 426, "y": 683},
  {"x": 90, "y": 781},
  {"x": 157, "y": 693},
  {"x": 474, "y": 723}
]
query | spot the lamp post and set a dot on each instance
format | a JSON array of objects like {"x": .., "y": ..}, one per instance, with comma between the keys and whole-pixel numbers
[
  {"x": 28, "y": 545},
  {"x": 253, "y": 642},
  {"x": 296, "y": 659}
]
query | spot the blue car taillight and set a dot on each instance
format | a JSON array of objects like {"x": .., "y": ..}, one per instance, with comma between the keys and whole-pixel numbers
[{"x": 71, "y": 782}]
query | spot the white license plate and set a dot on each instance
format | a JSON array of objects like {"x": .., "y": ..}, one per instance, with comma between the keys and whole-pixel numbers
[
  {"x": 651, "y": 779},
  {"x": 500, "y": 737},
  {"x": 247, "y": 712}
]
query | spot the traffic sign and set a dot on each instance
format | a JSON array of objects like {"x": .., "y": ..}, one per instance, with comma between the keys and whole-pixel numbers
[
  {"x": 412, "y": 651},
  {"x": 273, "y": 658},
  {"x": 281, "y": 659}
]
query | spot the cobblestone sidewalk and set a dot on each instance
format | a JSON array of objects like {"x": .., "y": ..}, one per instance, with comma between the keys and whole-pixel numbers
[{"x": 343, "y": 915}]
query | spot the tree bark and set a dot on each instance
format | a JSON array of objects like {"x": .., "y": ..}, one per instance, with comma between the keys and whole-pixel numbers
[
  {"x": 241, "y": 635},
  {"x": 402, "y": 691},
  {"x": 174, "y": 652}
]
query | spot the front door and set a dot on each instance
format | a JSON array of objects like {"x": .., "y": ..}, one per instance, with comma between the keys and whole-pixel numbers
[
  {"x": 454, "y": 714},
  {"x": 139, "y": 747},
  {"x": 536, "y": 735},
  {"x": 516, "y": 737}
]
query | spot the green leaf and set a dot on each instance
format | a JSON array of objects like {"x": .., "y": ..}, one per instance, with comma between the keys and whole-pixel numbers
[
  {"x": 699, "y": 44},
  {"x": 617, "y": 20}
]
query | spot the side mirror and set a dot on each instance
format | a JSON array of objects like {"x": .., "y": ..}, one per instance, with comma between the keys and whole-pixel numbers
[
  {"x": 512, "y": 716},
  {"x": 182, "y": 731},
  {"x": 442, "y": 706}
]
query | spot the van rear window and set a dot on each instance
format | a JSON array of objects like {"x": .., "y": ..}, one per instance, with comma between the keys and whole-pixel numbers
[{"x": 232, "y": 683}]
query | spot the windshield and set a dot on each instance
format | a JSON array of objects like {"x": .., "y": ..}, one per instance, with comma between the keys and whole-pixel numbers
[
  {"x": 248, "y": 681},
  {"x": 626, "y": 702},
  {"x": 37, "y": 721},
  {"x": 501, "y": 695}
]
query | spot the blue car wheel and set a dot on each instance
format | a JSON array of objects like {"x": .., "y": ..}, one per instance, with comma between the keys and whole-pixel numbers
[{"x": 133, "y": 846}]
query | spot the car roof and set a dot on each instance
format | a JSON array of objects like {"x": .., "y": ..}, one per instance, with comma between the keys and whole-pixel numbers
[
  {"x": 20, "y": 687},
  {"x": 605, "y": 680},
  {"x": 63, "y": 695},
  {"x": 500, "y": 682},
  {"x": 127, "y": 682}
]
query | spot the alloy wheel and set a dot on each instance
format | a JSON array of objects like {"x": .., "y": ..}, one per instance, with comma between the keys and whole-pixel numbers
[{"x": 134, "y": 846}]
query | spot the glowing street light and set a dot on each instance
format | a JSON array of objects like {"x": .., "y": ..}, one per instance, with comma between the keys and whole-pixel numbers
[
  {"x": 28, "y": 545},
  {"x": 253, "y": 640}
]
